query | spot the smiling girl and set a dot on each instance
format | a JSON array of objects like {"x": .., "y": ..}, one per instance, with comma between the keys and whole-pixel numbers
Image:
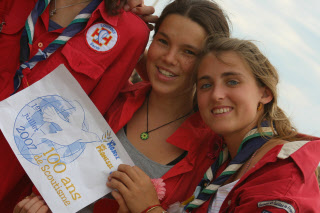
[
  {"x": 266, "y": 165},
  {"x": 156, "y": 121}
]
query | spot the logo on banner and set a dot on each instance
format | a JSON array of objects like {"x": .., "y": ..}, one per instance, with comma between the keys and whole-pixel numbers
[
  {"x": 52, "y": 124},
  {"x": 101, "y": 37}
]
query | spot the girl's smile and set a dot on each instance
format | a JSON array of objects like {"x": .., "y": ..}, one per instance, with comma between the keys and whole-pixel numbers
[
  {"x": 166, "y": 74},
  {"x": 221, "y": 110}
]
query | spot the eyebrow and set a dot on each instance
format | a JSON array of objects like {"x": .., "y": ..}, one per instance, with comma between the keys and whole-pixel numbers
[
  {"x": 163, "y": 34},
  {"x": 186, "y": 45},
  {"x": 226, "y": 74},
  {"x": 205, "y": 77}
]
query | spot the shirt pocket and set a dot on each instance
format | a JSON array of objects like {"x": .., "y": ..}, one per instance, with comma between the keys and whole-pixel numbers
[
  {"x": 85, "y": 59},
  {"x": 80, "y": 62},
  {"x": 13, "y": 16}
]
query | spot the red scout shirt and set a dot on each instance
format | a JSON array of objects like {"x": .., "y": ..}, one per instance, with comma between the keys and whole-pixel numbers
[
  {"x": 283, "y": 181},
  {"x": 193, "y": 136},
  {"x": 101, "y": 73}
]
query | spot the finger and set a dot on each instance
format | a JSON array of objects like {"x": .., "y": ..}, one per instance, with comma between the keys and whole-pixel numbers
[
  {"x": 123, "y": 178},
  {"x": 20, "y": 205},
  {"x": 44, "y": 209},
  {"x": 143, "y": 10},
  {"x": 118, "y": 185},
  {"x": 122, "y": 204},
  {"x": 124, "y": 167},
  {"x": 39, "y": 207},
  {"x": 150, "y": 18},
  {"x": 26, "y": 208},
  {"x": 129, "y": 171},
  {"x": 132, "y": 4}
]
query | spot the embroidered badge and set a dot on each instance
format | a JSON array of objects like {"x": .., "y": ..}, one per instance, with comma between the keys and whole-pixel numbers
[
  {"x": 101, "y": 37},
  {"x": 265, "y": 211},
  {"x": 278, "y": 204}
]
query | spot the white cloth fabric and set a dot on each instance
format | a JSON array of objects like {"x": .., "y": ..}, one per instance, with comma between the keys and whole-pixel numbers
[{"x": 220, "y": 196}]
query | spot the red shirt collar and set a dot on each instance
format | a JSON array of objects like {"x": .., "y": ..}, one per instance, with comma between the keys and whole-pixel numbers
[
  {"x": 100, "y": 10},
  {"x": 112, "y": 20}
]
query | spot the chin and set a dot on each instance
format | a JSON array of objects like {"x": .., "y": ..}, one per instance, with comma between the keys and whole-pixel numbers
[
  {"x": 221, "y": 129},
  {"x": 165, "y": 92}
]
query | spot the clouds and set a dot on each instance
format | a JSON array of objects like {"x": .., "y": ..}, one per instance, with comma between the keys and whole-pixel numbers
[
  {"x": 304, "y": 13},
  {"x": 300, "y": 109}
]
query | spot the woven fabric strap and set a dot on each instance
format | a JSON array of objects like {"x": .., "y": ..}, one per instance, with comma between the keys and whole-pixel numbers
[
  {"x": 78, "y": 23},
  {"x": 207, "y": 188}
]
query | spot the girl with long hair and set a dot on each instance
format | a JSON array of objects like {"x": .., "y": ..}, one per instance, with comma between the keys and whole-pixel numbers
[{"x": 266, "y": 165}]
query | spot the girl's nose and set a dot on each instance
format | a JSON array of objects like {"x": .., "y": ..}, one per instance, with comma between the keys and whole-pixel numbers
[
  {"x": 218, "y": 93},
  {"x": 170, "y": 57}
]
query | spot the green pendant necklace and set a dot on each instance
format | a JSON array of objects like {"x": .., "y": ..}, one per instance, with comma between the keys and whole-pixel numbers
[{"x": 145, "y": 135}]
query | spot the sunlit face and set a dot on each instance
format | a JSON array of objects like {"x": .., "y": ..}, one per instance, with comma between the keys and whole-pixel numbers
[
  {"x": 172, "y": 55},
  {"x": 228, "y": 94}
]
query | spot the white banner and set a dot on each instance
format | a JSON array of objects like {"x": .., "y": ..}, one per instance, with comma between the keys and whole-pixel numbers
[{"x": 62, "y": 141}]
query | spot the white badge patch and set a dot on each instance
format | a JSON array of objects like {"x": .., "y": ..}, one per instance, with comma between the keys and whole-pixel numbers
[
  {"x": 278, "y": 204},
  {"x": 101, "y": 37}
]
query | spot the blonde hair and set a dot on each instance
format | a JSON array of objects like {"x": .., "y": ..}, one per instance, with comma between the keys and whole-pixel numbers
[{"x": 266, "y": 76}]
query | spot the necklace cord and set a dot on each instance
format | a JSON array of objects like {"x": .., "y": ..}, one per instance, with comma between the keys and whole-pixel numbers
[
  {"x": 145, "y": 135},
  {"x": 52, "y": 12},
  {"x": 165, "y": 123}
]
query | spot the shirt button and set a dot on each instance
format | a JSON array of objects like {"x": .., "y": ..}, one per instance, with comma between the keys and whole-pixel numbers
[
  {"x": 229, "y": 202},
  {"x": 40, "y": 44}
]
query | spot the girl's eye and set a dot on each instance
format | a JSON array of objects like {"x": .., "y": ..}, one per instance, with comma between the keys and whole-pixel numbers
[
  {"x": 232, "y": 82},
  {"x": 162, "y": 41},
  {"x": 205, "y": 86},
  {"x": 190, "y": 52}
]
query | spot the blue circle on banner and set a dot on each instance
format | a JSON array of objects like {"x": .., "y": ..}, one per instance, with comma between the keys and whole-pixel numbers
[{"x": 41, "y": 124}]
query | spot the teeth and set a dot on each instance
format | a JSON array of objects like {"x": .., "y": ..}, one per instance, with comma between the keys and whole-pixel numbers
[
  {"x": 166, "y": 73},
  {"x": 220, "y": 111}
]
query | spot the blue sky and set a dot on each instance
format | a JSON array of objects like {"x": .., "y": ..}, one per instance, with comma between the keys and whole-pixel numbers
[{"x": 288, "y": 33}]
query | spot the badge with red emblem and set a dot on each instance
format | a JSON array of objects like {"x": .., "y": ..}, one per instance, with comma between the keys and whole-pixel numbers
[{"x": 101, "y": 37}]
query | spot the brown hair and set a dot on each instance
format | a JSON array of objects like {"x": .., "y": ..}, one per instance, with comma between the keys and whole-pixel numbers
[
  {"x": 204, "y": 12},
  {"x": 113, "y": 7},
  {"x": 266, "y": 76}
]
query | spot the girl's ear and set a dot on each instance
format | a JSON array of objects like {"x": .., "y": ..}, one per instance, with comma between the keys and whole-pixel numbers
[{"x": 267, "y": 96}]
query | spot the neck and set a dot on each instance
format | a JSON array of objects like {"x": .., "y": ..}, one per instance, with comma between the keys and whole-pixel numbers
[
  {"x": 233, "y": 143},
  {"x": 62, "y": 14},
  {"x": 172, "y": 106},
  {"x": 68, "y": 5}
]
